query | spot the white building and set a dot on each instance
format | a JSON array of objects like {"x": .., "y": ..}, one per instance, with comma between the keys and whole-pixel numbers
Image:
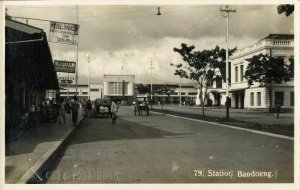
[
  {"x": 83, "y": 91},
  {"x": 119, "y": 87},
  {"x": 275, "y": 45}
]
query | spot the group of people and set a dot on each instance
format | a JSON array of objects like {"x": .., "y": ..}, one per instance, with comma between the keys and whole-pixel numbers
[
  {"x": 68, "y": 107},
  {"x": 87, "y": 108}
]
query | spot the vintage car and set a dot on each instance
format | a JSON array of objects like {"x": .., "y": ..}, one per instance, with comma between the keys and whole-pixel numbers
[{"x": 103, "y": 106}]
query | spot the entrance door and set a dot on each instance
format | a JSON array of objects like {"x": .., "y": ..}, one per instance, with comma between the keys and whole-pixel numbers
[
  {"x": 236, "y": 101},
  {"x": 242, "y": 100},
  {"x": 279, "y": 98}
]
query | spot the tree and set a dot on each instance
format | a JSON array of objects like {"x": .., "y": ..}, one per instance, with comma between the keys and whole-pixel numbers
[
  {"x": 163, "y": 90},
  {"x": 200, "y": 67},
  {"x": 287, "y": 9},
  {"x": 143, "y": 89},
  {"x": 267, "y": 71}
]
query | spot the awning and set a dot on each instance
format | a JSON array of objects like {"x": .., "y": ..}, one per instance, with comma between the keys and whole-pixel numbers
[{"x": 28, "y": 56}]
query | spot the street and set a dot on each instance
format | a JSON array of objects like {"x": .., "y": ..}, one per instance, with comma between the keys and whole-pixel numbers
[{"x": 164, "y": 149}]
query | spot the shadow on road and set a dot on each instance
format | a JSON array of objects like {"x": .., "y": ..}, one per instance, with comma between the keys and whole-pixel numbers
[{"x": 92, "y": 130}]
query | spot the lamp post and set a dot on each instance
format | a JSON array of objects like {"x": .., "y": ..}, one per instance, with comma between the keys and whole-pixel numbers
[
  {"x": 180, "y": 92},
  {"x": 151, "y": 67},
  {"x": 89, "y": 88},
  {"x": 227, "y": 10}
]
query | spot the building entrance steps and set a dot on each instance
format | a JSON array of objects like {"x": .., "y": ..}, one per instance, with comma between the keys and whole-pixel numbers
[{"x": 26, "y": 156}]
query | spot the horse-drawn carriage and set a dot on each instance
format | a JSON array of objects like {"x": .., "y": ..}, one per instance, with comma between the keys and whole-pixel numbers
[{"x": 140, "y": 107}]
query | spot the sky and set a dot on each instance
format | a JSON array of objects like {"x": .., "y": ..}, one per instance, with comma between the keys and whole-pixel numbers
[{"x": 125, "y": 39}]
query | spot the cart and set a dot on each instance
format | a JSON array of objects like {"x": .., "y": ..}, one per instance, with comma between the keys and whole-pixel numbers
[{"x": 140, "y": 107}]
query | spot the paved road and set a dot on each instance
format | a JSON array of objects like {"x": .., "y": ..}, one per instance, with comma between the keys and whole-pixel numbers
[{"x": 164, "y": 149}]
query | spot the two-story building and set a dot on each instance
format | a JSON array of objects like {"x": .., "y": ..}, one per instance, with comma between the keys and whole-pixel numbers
[{"x": 243, "y": 96}]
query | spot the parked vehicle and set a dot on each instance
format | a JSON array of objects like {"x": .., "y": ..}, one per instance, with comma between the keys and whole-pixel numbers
[
  {"x": 140, "y": 107},
  {"x": 103, "y": 106}
]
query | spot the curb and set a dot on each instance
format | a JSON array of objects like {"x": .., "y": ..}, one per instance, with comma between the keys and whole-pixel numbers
[
  {"x": 43, "y": 164},
  {"x": 232, "y": 127}
]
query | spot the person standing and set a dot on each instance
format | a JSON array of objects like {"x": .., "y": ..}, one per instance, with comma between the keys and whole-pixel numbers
[
  {"x": 89, "y": 109},
  {"x": 75, "y": 107},
  {"x": 278, "y": 108},
  {"x": 114, "y": 109},
  {"x": 62, "y": 111},
  {"x": 84, "y": 111}
]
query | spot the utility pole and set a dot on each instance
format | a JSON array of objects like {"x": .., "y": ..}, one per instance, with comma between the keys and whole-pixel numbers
[
  {"x": 89, "y": 87},
  {"x": 151, "y": 67},
  {"x": 77, "y": 52},
  {"x": 180, "y": 92},
  {"x": 227, "y": 11}
]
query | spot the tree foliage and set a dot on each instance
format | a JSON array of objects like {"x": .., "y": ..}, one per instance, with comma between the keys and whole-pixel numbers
[
  {"x": 200, "y": 66},
  {"x": 267, "y": 71},
  {"x": 286, "y": 9},
  {"x": 143, "y": 88}
]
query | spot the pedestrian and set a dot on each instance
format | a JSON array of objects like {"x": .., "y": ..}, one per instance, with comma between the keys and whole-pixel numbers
[
  {"x": 84, "y": 110},
  {"x": 62, "y": 111},
  {"x": 75, "y": 107},
  {"x": 278, "y": 108},
  {"x": 114, "y": 110},
  {"x": 89, "y": 108}
]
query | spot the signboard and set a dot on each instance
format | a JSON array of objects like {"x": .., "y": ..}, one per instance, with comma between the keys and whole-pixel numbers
[
  {"x": 63, "y": 33},
  {"x": 65, "y": 66},
  {"x": 66, "y": 80}
]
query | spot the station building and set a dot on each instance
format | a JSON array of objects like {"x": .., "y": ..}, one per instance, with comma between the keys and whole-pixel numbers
[
  {"x": 243, "y": 96},
  {"x": 119, "y": 87}
]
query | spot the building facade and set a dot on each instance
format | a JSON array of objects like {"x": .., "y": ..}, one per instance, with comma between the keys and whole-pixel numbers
[
  {"x": 29, "y": 73},
  {"x": 84, "y": 91},
  {"x": 119, "y": 87},
  {"x": 274, "y": 45},
  {"x": 186, "y": 92}
]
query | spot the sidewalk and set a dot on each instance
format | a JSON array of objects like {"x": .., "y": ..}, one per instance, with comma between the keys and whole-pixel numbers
[{"x": 29, "y": 154}]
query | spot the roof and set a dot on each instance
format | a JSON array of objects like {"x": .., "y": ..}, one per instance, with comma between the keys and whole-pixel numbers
[
  {"x": 28, "y": 56},
  {"x": 279, "y": 37}
]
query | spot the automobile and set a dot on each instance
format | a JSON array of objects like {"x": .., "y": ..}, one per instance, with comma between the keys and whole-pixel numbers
[{"x": 103, "y": 106}]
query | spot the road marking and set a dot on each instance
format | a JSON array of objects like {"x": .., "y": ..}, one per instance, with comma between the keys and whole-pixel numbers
[{"x": 232, "y": 127}]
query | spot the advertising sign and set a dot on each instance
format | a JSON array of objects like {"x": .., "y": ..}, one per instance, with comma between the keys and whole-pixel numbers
[
  {"x": 65, "y": 66},
  {"x": 66, "y": 80},
  {"x": 63, "y": 33}
]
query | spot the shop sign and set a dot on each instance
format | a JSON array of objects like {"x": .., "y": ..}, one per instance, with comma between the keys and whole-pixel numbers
[
  {"x": 65, "y": 66},
  {"x": 65, "y": 33}
]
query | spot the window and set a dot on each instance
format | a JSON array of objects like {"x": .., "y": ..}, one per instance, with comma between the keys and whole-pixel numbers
[
  {"x": 94, "y": 89},
  {"x": 117, "y": 88},
  {"x": 236, "y": 74},
  {"x": 192, "y": 93},
  {"x": 182, "y": 93},
  {"x": 219, "y": 82},
  {"x": 292, "y": 98},
  {"x": 252, "y": 99},
  {"x": 258, "y": 98},
  {"x": 279, "y": 98},
  {"x": 84, "y": 93},
  {"x": 242, "y": 72}
]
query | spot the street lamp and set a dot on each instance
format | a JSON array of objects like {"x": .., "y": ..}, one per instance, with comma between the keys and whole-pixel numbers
[
  {"x": 151, "y": 67},
  {"x": 89, "y": 88},
  {"x": 227, "y": 10}
]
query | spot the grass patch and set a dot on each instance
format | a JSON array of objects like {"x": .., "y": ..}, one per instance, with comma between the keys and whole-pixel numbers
[{"x": 287, "y": 130}]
